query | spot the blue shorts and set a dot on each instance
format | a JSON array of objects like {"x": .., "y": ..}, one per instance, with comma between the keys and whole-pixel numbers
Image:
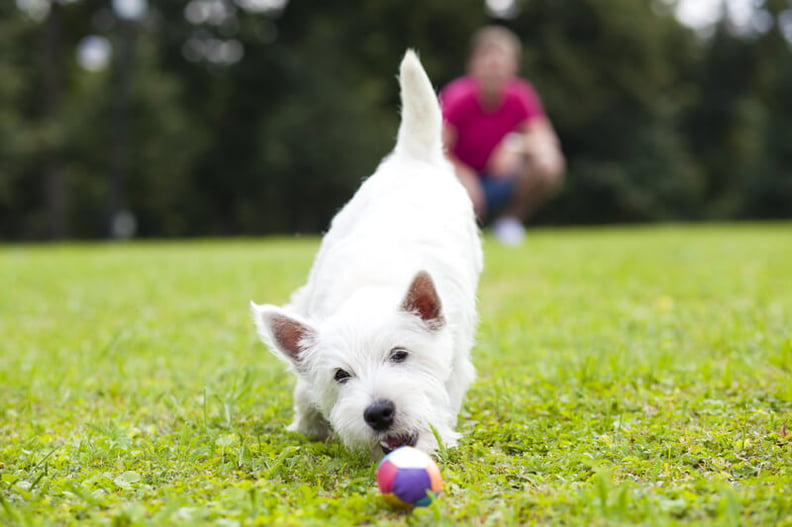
[{"x": 497, "y": 192}]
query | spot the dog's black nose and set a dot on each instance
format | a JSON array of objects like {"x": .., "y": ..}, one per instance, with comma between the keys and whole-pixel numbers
[{"x": 379, "y": 415}]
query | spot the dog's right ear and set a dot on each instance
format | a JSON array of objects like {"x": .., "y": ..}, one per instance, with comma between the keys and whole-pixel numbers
[
  {"x": 282, "y": 332},
  {"x": 422, "y": 300}
]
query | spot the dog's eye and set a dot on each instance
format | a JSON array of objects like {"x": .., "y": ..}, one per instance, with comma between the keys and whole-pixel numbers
[
  {"x": 398, "y": 355},
  {"x": 341, "y": 376}
]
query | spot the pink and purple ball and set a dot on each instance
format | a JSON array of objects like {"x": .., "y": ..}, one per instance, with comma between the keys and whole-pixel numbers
[{"x": 408, "y": 477}]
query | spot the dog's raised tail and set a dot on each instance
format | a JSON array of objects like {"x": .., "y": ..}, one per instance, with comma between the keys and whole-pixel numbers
[{"x": 420, "y": 133}]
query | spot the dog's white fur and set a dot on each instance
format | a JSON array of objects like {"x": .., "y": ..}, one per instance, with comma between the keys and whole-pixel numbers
[{"x": 397, "y": 272}]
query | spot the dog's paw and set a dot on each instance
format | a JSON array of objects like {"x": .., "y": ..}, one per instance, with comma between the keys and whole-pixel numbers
[{"x": 314, "y": 426}]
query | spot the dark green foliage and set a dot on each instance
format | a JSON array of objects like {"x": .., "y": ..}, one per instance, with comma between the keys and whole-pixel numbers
[{"x": 656, "y": 123}]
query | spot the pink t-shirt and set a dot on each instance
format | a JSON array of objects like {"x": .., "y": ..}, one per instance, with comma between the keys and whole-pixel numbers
[{"x": 479, "y": 130}]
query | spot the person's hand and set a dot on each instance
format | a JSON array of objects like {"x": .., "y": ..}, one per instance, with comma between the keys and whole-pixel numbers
[
  {"x": 542, "y": 149},
  {"x": 544, "y": 153},
  {"x": 508, "y": 158}
]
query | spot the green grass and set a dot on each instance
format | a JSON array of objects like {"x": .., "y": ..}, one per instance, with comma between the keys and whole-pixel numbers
[{"x": 626, "y": 376}]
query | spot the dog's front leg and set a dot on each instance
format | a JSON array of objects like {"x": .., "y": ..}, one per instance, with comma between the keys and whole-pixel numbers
[{"x": 307, "y": 418}]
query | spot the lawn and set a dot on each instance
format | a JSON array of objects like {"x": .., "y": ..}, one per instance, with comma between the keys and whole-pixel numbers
[{"x": 626, "y": 376}]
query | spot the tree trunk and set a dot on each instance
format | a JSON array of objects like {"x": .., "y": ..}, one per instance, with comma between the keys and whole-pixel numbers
[{"x": 53, "y": 97}]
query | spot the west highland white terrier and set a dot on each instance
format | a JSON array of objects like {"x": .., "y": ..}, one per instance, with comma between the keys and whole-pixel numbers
[{"x": 380, "y": 335}]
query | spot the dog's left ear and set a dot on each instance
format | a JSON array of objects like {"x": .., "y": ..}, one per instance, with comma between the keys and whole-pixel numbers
[{"x": 422, "y": 300}]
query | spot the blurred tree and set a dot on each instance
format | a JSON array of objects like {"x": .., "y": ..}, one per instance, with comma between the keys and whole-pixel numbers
[
  {"x": 34, "y": 92},
  {"x": 337, "y": 66},
  {"x": 253, "y": 117},
  {"x": 310, "y": 108},
  {"x": 19, "y": 203},
  {"x": 53, "y": 65},
  {"x": 725, "y": 123},
  {"x": 614, "y": 76},
  {"x": 767, "y": 182},
  {"x": 740, "y": 127}
]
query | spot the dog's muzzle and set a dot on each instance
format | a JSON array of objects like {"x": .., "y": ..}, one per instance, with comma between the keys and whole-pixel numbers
[{"x": 380, "y": 417}]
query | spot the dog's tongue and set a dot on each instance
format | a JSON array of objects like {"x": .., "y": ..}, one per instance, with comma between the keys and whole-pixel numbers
[{"x": 395, "y": 442}]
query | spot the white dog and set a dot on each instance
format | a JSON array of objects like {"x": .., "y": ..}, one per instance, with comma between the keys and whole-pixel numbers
[{"x": 380, "y": 335}]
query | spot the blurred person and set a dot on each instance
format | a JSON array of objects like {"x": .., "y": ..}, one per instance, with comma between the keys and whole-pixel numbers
[{"x": 498, "y": 137}]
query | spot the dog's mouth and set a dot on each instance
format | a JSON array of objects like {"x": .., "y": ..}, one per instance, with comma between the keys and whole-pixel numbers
[{"x": 392, "y": 442}]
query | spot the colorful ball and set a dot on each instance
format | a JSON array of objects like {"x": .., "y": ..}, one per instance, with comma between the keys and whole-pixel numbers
[{"x": 408, "y": 477}]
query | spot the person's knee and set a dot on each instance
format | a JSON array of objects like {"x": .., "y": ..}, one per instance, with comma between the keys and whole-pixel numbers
[
  {"x": 553, "y": 179},
  {"x": 479, "y": 204},
  {"x": 504, "y": 162},
  {"x": 554, "y": 171},
  {"x": 546, "y": 177}
]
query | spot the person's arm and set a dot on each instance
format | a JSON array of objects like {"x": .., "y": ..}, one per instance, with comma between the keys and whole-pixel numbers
[{"x": 449, "y": 140}]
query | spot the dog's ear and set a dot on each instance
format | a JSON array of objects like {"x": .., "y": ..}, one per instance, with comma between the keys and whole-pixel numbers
[
  {"x": 282, "y": 332},
  {"x": 423, "y": 300}
]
